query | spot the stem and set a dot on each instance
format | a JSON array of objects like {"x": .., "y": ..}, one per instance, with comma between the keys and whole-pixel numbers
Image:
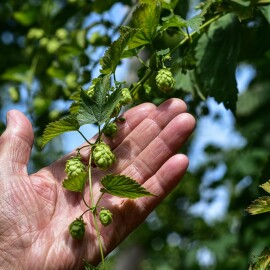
[
  {"x": 188, "y": 37},
  {"x": 90, "y": 181},
  {"x": 100, "y": 131},
  {"x": 99, "y": 241},
  {"x": 142, "y": 81},
  {"x": 93, "y": 206},
  {"x": 80, "y": 148},
  {"x": 85, "y": 204},
  {"x": 84, "y": 137},
  {"x": 85, "y": 212},
  {"x": 99, "y": 198}
]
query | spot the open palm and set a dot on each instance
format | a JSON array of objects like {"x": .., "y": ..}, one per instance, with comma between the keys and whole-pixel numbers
[{"x": 35, "y": 211}]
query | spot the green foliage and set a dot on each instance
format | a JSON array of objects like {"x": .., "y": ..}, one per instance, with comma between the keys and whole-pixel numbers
[
  {"x": 145, "y": 18},
  {"x": 263, "y": 261},
  {"x": 75, "y": 183},
  {"x": 99, "y": 108},
  {"x": 115, "y": 52},
  {"x": 259, "y": 206},
  {"x": 123, "y": 186},
  {"x": 68, "y": 123},
  {"x": 216, "y": 55},
  {"x": 88, "y": 266},
  {"x": 47, "y": 66},
  {"x": 266, "y": 12}
]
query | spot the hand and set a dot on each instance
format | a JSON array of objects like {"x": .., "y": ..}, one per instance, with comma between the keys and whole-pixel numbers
[{"x": 35, "y": 211}]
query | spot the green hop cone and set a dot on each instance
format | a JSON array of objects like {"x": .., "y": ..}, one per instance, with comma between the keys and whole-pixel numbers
[
  {"x": 147, "y": 88},
  {"x": 126, "y": 97},
  {"x": 165, "y": 80},
  {"x": 74, "y": 167},
  {"x": 105, "y": 217},
  {"x": 77, "y": 228},
  {"x": 103, "y": 156},
  {"x": 110, "y": 130}
]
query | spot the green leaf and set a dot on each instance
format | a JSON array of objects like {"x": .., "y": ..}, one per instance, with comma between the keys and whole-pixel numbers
[
  {"x": 186, "y": 81},
  {"x": 68, "y": 123},
  {"x": 99, "y": 108},
  {"x": 130, "y": 53},
  {"x": 259, "y": 206},
  {"x": 76, "y": 183},
  {"x": 173, "y": 21},
  {"x": 123, "y": 186},
  {"x": 265, "y": 10},
  {"x": 146, "y": 19},
  {"x": 75, "y": 106},
  {"x": 114, "y": 53},
  {"x": 169, "y": 4},
  {"x": 176, "y": 21},
  {"x": 244, "y": 3},
  {"x": 266, "y": 186},
  {"x": 216, "y": 53},
  {"x": 88, "y": 266},
  {"x": 250, "y": 101},
  {"x": 195, "y": 23},
  {"x": 263, "y": 261}
]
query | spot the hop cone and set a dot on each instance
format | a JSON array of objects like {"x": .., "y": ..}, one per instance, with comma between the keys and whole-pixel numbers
[
  {"x": 126, "y": 97},
  {"x": 165, "y": 80},
  {"x": 105, "y": 217},
  {"x": 77, "y": 228},
  {"x": 103, "y": 156},
  {"x": 74, "y": 167}
]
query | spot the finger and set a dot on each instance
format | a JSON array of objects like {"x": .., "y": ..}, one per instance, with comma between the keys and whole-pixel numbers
[
  {"x": 145, "y": 133},
  {"x": 132, "y": 212},
  {"x": 161, "y": 184},
  {"x": 16, "y": 143},
  {"x": 133, "y": 117},
  {"x": 166, "y": 144}
]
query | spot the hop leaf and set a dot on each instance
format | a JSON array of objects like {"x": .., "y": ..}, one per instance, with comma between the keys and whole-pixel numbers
[
  {"x": 259, "y": 206},
  {"x": 116, "y": 110},
  {"x": 105, "y": 217},
  {"x": 266, "y": 186},
  {"x": 77, "y": 229},
  {"x": 145, "y": 18},
  {"x": 103, "y": 156},
  {"x": 99, "y": 108},
  {"x": 114, "y": 53},
  {"x": 68, "y": 123},
  {"x": 165, "y": 80},
  {"x": 123, "y": 186},
  {"x": 91, "y": 91},
  {"x": 75, "y": 183}
]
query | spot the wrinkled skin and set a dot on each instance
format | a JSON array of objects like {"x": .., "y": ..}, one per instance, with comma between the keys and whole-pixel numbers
[{"x": 35, "y": 211}]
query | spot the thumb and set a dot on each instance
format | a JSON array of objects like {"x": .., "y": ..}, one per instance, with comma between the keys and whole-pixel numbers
[{"x": 16, "y": 144}]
